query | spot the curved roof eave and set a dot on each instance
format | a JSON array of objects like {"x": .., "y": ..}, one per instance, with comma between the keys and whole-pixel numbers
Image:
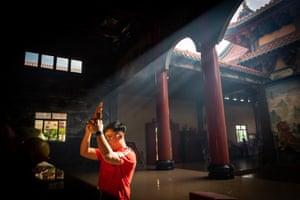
[
  {"x": 229, "y": 66},
  {"x": 268, "y": 48},
  {"x": 254, "y": 14}
]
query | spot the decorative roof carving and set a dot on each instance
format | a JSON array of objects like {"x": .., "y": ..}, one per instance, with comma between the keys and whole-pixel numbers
[
  {"x": 269, "y": 18},
  {"x": 268, "y": 47}
]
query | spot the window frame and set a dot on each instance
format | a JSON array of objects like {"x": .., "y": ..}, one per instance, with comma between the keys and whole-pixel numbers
[
  {"x": 241, "y": 131},
  {"x": 52, "y": 125},
  {"x": 51, "y": 62}
]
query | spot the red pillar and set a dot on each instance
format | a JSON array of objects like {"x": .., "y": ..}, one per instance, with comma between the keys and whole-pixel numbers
[
  {"x": 213, "y": 97},
  {"x": 163, "y": 122},
  {"x": 162, "y": 111}
]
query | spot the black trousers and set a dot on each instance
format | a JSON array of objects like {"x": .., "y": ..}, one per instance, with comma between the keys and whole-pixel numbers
[{"x": 106, "y": 196}]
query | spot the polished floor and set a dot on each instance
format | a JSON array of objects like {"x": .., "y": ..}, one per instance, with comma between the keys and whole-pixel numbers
[{"x": 250, "y": 183}]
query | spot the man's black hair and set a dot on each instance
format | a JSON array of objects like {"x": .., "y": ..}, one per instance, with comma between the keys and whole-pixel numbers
[{"x": 116, "y": 126}]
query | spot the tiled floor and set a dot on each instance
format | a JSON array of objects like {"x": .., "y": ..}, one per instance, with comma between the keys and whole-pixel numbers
[{"x": 176, "y": 184}]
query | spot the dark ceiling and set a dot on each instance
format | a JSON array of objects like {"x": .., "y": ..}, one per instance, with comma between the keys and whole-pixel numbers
[
  {"x": 101, "y": 35},
  {"x": 98, "y": 30}
]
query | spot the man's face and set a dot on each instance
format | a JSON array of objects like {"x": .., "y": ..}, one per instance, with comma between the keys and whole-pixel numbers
[{"x": 113, "y": 136}]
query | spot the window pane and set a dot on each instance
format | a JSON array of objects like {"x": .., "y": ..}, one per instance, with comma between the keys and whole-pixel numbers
[
  {"x": 59, "y": 115},
  {"x": 42, "y": 115},
  {"x": 31, "y": 59},
  {"x": 62, "y": 64},
  {"x": 47, "y": 61},
  {"x": 62, "y": 131},
  {"x": 76, "y": 66},
  {"x": 38, "y": 124},
  {"x": 50, "y": 129},
  {"x": 241, "y": 133}
]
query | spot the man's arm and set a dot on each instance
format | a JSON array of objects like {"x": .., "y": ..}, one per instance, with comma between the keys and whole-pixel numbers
[
  {"x": 105, "y": 149},
  {"x": 85, "y": 149}
]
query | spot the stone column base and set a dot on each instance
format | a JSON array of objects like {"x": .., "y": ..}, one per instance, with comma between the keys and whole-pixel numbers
[
  {"x": 221, "y": 171},
  {"x": 165, "y": 164}
]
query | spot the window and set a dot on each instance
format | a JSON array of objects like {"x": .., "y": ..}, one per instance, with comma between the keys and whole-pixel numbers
[
  {"x": 76, "y": 66},
  {"x": 62, "y": 64},
  {"x": 47, "y": 61},
  {"x": 52, "y": 62},
  {"x": 51, "y": 125},
  {"x": 31, "y": 59},
  {"x": 241, "y": 133}
]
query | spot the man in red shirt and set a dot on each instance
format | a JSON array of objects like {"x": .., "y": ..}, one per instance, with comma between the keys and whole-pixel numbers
[{"x": 118, "y": 161}]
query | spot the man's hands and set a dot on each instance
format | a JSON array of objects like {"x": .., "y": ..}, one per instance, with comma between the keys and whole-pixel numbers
[
  {"x": 95, "y": 123},
  {"x": 92, "y": 126}
]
